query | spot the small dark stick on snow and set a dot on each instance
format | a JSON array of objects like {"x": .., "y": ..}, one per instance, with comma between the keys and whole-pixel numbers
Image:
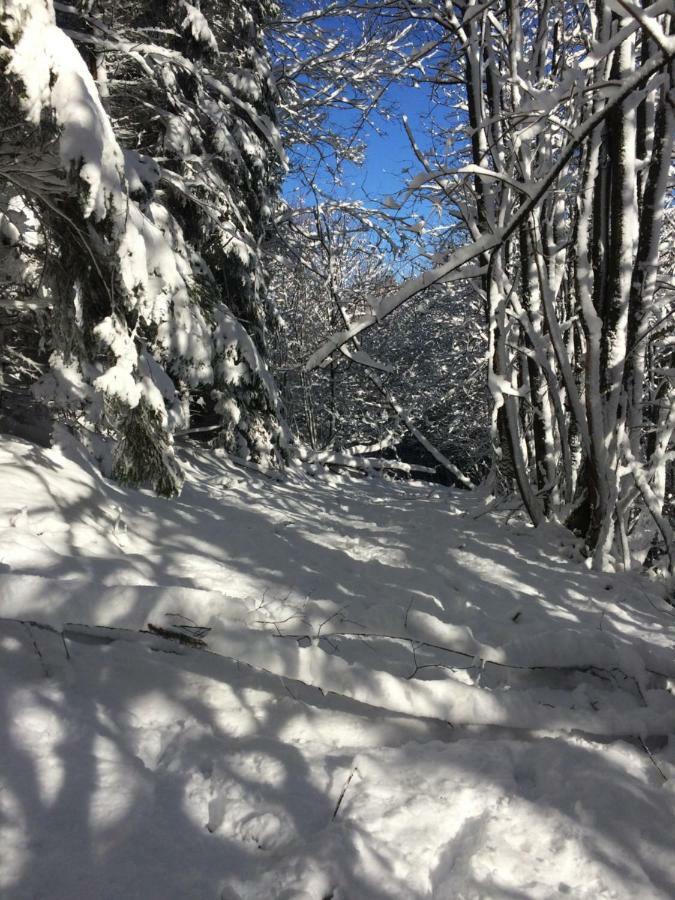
[
  {"x": 343, "y": 792},
  {"x": 27, "y": 626},
  {"x": 653, "y": 760},
  {"x": 65, "y": 646},
  {"x": 407, "y": 612},
  {"x": 171, "y": 635}
]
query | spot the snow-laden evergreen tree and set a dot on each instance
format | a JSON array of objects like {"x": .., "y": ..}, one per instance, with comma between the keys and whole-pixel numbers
[
  {"x": 212, "y": 127},
  {"x": 143, "y": 190},
  {"x": 65, "y": 190}
]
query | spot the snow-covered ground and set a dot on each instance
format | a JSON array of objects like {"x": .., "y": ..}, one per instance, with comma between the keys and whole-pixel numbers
[{"x": 401, "y": 695}]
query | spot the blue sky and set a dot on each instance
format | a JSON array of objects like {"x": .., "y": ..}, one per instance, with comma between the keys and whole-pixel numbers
[
  {"x": 388, "y": 151},
  {"x": 388, "y": 166}
]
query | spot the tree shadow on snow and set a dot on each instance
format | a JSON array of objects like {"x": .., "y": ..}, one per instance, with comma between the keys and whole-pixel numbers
[
  {"x": 100, "y": 800},
  {"x": 91, "y": 807},
  {"x": 188, "y": 818}
]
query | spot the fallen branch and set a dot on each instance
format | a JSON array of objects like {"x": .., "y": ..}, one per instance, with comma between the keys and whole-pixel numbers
[
  {"x": 447, "y": 701},
  {"x": 343, "y": 460},
  {"x": 476, "y": 659}
]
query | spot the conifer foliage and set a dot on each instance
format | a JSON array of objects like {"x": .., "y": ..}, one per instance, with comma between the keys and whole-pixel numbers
[{"x": 139, "y": 160}]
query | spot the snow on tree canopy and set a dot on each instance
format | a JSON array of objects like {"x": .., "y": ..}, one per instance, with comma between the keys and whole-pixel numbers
[
  {"x": 195, "y": 23},
  {"x": 158, "y": 253}
]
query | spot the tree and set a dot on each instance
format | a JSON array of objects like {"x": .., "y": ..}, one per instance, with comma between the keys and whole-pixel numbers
[
  {"x": 560, "y": 185},
  {"x": 327, "y": 256},
  {"x": 146, "y": 184},
  {"x": 421, "y": 379}
]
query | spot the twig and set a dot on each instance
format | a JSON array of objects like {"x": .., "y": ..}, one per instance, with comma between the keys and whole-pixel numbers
[
  {"x": 65, "y": 646},
  {"x": 407, "y": 612},
  {"x": 654, "y": 762},
  {"x": 343, "y": 792},
  {"x": 288, "y": 690},
  {"x": 27, "y": 625},
  {"x": 172, "y": 635}
]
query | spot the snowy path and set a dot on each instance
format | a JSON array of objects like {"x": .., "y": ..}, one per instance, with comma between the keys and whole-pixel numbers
[{"x": 136, "y": 766}]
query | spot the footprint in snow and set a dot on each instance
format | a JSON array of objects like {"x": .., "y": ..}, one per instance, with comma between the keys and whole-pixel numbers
[{"x": 266, "y": 830}]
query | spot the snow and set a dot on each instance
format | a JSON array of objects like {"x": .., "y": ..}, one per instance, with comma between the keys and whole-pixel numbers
[
  {"x": 295, "y": 755},
  {"x": 53, "y": 75},
  {"x": 150, "y": 249},
  {"x": 196, "y": 23},
  {"x": 33, "y": 23}
]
